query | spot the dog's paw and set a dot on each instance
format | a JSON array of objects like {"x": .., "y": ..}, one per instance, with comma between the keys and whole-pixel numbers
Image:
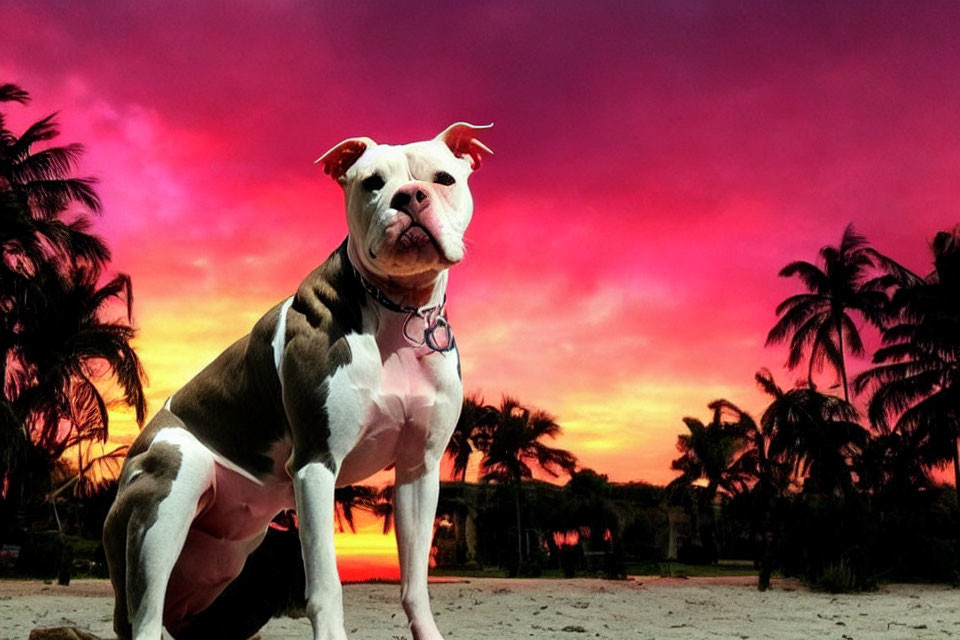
[
  {"x": 329, "y": 632},
  {"x": 426, "y": 630}
]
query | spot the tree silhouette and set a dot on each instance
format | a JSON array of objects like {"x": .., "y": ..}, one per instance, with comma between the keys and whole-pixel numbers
[
  {"x": 36, "y": 190},
  {"x": 819, "y": 320},
  {"x": 56, "y": 339},
  {"x": 357, "y": 497},
  {"x": 916, "y": 380},
  {"x": 712, "y": 461},
  {"x": 815, "y": 435},
  {"x": 512, "y": 443},
  {"x": 589, "y": 503},
  {"x": 347, "y": 500},
  {"x": 892, "y": 465},
  {"x": 383, "y": 507},
  {"x": 772, "y": 474},
  {"x": 67, "y": 345},
  {"x": 475, "y": 419}
]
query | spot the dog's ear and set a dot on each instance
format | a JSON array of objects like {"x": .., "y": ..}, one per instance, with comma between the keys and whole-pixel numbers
[
  {"x": 461, "y": 139},
  {"x": 336, "y": 161}
]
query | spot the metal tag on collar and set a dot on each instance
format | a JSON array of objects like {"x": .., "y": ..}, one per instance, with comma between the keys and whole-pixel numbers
[{"x": 437, "y": 334}]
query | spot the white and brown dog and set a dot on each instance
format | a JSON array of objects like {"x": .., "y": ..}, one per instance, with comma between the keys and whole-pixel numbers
[{"x": 357, "y": 371}]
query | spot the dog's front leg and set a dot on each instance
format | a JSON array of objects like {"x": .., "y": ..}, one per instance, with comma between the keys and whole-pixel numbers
[
  {"x": 314, "y": 486},
  {"x": 417, "y": 491}
]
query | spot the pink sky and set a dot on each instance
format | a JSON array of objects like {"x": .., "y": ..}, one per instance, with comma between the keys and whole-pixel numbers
[{"x": 656, "y": 164}]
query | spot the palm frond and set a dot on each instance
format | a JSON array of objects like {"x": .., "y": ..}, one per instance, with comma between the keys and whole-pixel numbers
[
  {"x": 805, "y": 335},
  {"x": 851, "y": 240},
  {"x": 824, "y": 350},
  {"x": 54, "y": 163},
  {"x": 851, "y": 336},
  {"x": 796, "y": 317},
  {"x": 895, "y": 396},
  {"x": 901, "y": 276},
  {"x": 812, "y": 276},
  {"x": 808, "y": 300},
  {"x": 765, "y": 380},
  {"x": 40, "y": 131},
  {"x": 52, "y": 197},
  {"x": 13, "y": 93}
]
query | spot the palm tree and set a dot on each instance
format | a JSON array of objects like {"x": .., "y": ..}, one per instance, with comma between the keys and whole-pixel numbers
[
  {"x": 94, "y": 471},
  {"x": 892, "y": 465},
  {"x": 713, "y": 461},
  {"x": 56, "y": 340},
  {"x": 475, "y": 418},
  {"x": 41, "y": 179},
  {"x": 512, "y": 443},
  {"x": 812, "y": 434},
  {"x": 383, "y": 507},
  {"x": 65, "y": 347},
  {"x": 916, "y": 379},
  {"x": 820, "y": 320},
  {"x": 772, "y": 479},
  {"x": 36, "y": 189},
  {"x": 347, "y": 500},
  {"x": 357, "y": 497},
  {"x": 474, "y": 422}
]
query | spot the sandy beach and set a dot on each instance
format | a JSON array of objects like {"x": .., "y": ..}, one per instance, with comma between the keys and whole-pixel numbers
[{"x": 643, "y": 607}]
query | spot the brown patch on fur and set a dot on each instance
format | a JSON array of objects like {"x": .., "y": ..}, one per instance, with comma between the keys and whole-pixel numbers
[
  {"x": 233, "y": 405},
  {"x": 147, "y": 476},
  {"x": 325, "y": 310}
]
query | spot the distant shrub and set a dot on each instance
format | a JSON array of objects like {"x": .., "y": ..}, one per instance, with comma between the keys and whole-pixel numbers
[
  {"x": 928, "y": 558},
  {"x": 850, "y": 543},
  {"x": 533, "y": 565},
  {"x": 45, "y": 555},
  {"x": 570, "y": 558},
  {"x": 845, "y": 576},
  {"x": 614, "y": 563},
  {"x": 690, "y": 553},
  {"x": 645, "y": 537}
]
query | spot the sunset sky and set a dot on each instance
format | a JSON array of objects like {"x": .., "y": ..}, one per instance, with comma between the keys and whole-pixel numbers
[{"x": 656, "y": 164}]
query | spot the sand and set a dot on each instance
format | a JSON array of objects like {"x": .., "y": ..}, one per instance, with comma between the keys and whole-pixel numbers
[{"x": 490, "y": 609}]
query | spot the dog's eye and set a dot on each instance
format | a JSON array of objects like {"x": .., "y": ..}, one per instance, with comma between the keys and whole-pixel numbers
[
  {"x": 373, "y": 183},
  {"x": 443, "y": 178}
]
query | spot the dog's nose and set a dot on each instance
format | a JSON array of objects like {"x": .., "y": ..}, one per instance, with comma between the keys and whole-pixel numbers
[
  {"x": 400, "y": 200},
  {"x": 404, "y": 197}
]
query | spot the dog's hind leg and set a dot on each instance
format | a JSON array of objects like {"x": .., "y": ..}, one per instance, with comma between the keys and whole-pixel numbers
[
  {"x": 160, "y": 495},
  {"x": 114, "y": 546}
]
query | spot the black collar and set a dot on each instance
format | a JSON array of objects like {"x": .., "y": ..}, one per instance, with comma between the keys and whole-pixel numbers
[
  {"x": 434, "y": 318},
  {"x": 389, "y": 304}
]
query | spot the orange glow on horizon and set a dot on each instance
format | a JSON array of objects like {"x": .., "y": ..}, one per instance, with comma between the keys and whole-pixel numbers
[{"x": 368, "y": 553}]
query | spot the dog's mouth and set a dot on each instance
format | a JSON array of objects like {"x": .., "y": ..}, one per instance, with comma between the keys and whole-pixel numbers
[{"x": 417, "y": 235}]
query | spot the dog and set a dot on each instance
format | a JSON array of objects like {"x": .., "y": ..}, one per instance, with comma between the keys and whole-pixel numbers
[{"x": 358, "y": 371}]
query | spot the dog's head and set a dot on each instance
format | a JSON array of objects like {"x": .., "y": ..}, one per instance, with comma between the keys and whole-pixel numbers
[{"x": 408, "y": 205}]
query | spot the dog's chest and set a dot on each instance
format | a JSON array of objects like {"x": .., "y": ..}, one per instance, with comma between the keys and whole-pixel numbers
[{"x": 387, "y": 394}]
